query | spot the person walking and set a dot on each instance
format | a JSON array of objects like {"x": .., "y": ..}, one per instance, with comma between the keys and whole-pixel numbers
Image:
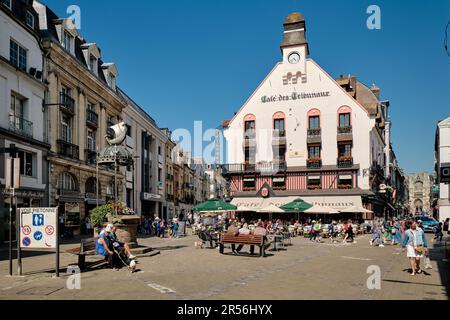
[
  {"x": 415, "y": 244},
  {"x": 438, "y": 234},
  {"x": 317, "y": 228}
]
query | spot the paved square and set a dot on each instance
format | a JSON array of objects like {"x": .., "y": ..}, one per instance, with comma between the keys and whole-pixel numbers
[{"x": 304, "y": 270}]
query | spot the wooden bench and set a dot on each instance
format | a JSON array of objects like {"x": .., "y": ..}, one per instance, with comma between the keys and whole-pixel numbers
[
  {"x": 87, "y": 248},
  {"x": 251, "y": 240}
]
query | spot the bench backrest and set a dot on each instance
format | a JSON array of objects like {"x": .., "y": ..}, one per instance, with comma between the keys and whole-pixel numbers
[
  {"x": 242, "y": 239},
  {"x": 88, "y": 245}
]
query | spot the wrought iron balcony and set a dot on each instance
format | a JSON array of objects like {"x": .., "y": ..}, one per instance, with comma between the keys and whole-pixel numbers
[
  {"x": 67, "y": 103},
  {"x": 252, "y": 168},
  {"x": 314, "y": 163},
  {"x": 21, "y": 126},
  {"x": 92, "y": 119},
  {"x": 279, "y": 137},
  {"x": 345, "y": 162},
  {"x": 91, "y": 157},
  {"x": 314, "y": 132},
  {"x": 345, "y": 134},
  {"x": 66, "y": 149}
]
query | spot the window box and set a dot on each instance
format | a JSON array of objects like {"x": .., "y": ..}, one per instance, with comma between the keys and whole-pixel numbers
[{"x": 314, "y": 187}]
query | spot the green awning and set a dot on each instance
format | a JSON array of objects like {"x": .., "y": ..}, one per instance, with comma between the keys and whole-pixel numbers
[
  {"x": 298, "y": 205},
  {"x": 214, "y": 205}
]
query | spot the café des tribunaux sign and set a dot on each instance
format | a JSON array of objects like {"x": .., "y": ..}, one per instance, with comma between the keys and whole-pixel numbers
[{"x": 295, "y": 96}]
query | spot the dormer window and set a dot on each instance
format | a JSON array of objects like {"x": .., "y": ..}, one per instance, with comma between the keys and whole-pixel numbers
[
  {"x": 30, "y": 20},
  {"x": 93, "y": 63},
  {"x": 112, "y": 81},
  {"x": 67, "y": 41}
]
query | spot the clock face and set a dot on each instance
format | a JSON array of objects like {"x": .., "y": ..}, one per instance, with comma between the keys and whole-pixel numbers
[{"x": 294, "y": 58}]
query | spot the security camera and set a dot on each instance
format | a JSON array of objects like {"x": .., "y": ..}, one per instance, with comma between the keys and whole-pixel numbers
[{"x": 116, "y": 134}]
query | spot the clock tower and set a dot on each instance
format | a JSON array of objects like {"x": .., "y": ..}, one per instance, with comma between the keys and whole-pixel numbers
[{"x": 295, "y": 48}]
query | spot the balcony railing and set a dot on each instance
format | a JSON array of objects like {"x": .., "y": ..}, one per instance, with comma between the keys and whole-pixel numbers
[
  {"x": 345, "y": 162},
  {"x": 314, "y": 163},
  {"x": 276, "y": 166},
  {"x": 21, "y": 126},
  {"x": 91, "y": 157},
  {"x": 92, "y": 118},
  {"x": 67, "y": 149},
  {"x": 67, "y": 103},
  {"x": 345, "y": 131},
  {"x": 314, "y": 132}
]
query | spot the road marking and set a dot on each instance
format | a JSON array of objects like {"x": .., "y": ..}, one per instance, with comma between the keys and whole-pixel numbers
[
  {"x": 353, "y": 258},
  {"x": 161, "y": 289}
]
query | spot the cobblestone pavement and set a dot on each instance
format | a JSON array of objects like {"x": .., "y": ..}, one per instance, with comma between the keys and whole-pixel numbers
[{"x": 304, "y": 270}]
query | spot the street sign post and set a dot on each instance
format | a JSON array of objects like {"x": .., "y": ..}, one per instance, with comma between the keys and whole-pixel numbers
[{"x": 38, "y": 230}]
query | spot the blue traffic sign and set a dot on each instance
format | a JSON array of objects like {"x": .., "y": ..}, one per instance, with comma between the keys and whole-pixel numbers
[
  {"x": 38, "y": 220},
  {"x": 37, "y": 236},
  {"x": 26, "y": 242}
]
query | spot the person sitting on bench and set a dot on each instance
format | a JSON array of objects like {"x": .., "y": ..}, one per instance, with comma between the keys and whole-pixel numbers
[
  {"x": 259, "y": 231},
  {"x": 234, "y": 230},
  {"x": 122, "y": 245},
  {"x": 104, "y": 247}
]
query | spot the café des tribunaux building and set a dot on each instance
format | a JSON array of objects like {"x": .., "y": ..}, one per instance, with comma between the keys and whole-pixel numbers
[{"x": 304, "y": 134}]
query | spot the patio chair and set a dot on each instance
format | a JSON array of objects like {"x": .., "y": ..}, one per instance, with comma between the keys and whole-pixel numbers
[{"x": 286, "y": 238}]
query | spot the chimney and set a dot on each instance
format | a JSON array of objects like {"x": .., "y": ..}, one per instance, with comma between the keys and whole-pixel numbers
[{"x": 376, "y": 91}]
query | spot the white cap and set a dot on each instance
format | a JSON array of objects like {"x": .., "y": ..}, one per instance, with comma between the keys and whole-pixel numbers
[{"x": 108, "y": 228}]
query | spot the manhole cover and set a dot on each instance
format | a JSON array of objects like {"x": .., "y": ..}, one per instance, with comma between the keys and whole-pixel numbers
[{"x": 46, "y": 291}]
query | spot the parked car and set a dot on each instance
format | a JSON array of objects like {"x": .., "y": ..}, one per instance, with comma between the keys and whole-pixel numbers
[{"x": 428, "y": 223}]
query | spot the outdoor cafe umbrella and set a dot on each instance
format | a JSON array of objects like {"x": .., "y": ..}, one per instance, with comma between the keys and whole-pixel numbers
[
  {"x": 214, "y": 205},
  {"x": 321, "y": 210},
  {"x": 356, "y": 209},
  {"x": 296, "y": 206}
]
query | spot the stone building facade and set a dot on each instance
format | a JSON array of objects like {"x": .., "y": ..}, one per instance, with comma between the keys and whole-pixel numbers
[{"x": 420, "y": 192}]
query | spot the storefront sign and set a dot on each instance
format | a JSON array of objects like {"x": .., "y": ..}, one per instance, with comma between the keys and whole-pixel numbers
[
  {"x": 445, "y": 173},
  {"x": 295, "y": 96},
  {"x": 150, "y": 196},
  {"x": 72, "y": 215},
  {"x": 38, "y": 228}
]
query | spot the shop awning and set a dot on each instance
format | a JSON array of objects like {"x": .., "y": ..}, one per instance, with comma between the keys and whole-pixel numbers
[{"x": 338, "y": 203}]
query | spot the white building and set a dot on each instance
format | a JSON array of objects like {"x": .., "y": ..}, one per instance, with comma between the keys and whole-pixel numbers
[
  {"x": 442, "y": 155},
  {"x": 145, "y": 185},
  {"x": 302, "y": 133},
  {"x": 22, "y": 93}
]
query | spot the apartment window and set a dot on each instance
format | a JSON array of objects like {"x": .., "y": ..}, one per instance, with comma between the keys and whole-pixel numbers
[
  {"x": 344, "y": 120},
  {"x": 249, "y": 184},
  {"x": 7, "y": 3},
  {"x": 280, "y": 153},
  {"x": 345, "y": 183},
  {"x": 67, "y": 41},
  {"x": 250, "y": 126},
  {"x": 249, "y": 155},
  {"x": 314, "y": 152},
  {"x": 66, "y": 130},
  {"x": 30, "y": 20},
  {"x": 17, "y": 109},
  {"x": 314, "y": 122},
  {"x": 26, "y": 163},
  {"x": 278, "y": 124},
  {"x": 159, "y": 150},
  {"x": 345, "y": 150},
  {"x": 129, "y": 131},
  {"x": 112, "y": 81},
  {"x": 159, "y": 175},
  {"x": 67, "y": 182},
  {"x": 91, "y": 144},
  {"x": 314, "y": 183},
  {"x": 279, "y": 183},
  {"x": 18, "y": 55}
]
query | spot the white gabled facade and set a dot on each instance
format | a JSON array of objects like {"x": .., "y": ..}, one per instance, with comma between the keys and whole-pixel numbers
[{"x": 303, "y": 133}]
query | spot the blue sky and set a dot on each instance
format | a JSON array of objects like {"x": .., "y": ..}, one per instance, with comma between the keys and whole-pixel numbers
[{"x": 201, "y": 59}]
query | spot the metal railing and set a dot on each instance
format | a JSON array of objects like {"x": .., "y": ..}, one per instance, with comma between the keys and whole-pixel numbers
[
  {"x": 314, "y": 132},
  {"x": 21, "y": 126},
  {"x": 92, "y": 118},
  {"x": 345, "y": 131},
  {"x": 314, "y": 163},
  {"x": 345, "y": 162},
  {"x": 67, "y": 103},
  {"x": 68, "y": 149}
]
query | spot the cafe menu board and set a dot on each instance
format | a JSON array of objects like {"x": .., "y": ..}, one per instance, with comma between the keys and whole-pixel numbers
[{"x": 72, "y": 217}]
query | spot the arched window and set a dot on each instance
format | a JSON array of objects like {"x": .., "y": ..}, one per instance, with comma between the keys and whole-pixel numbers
[
  {"x": 418, "y": 186},
  {"x": 344, "y": 117},
  {"x": 279, "y": 122},
  {"x": 249, "y": 123},
  {"x": 91, "y": 186},
  {"x": 314, "y": 119},
  {"x": 67, "y": 181}
]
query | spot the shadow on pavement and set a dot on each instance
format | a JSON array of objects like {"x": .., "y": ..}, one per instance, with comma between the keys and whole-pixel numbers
[
  {"x": 437, "y": 253},
  {"x": 167, "y": 248}
]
